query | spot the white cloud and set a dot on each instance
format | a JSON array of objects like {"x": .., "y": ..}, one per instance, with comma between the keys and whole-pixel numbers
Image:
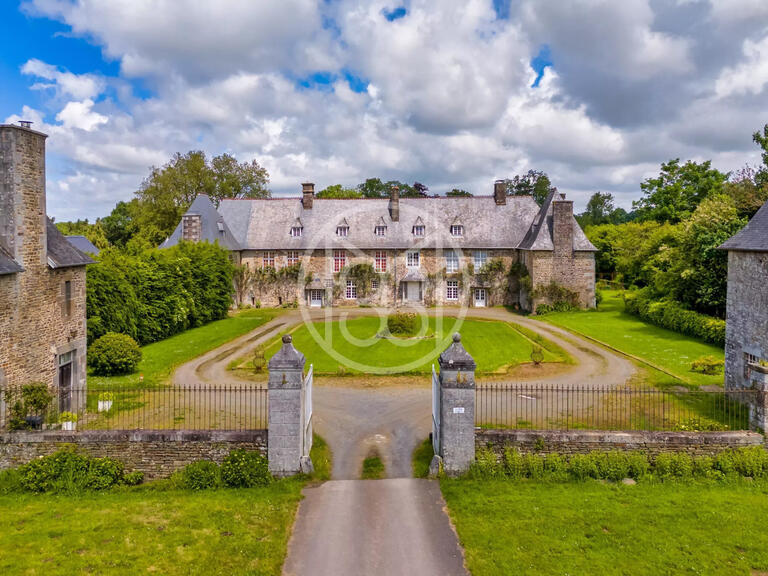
[
  {"x": 80, "y": 115},
  {"x": 749, "y": 76},
  {"x": 78, "y": 86}
]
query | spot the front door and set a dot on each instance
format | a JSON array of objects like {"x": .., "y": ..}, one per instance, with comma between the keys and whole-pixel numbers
[
  {"x": 65, "y": 387},
  {"x": 413, "y": 291},
  {"x": 480, "y": 297},
  {"x": 316, "y": 298}
]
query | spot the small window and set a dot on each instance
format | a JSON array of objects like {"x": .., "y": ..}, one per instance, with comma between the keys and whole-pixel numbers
[
  {"x": 380, "y": 261},
  {"x": 375, "y": 284},
  {"x": 68, "y": 298},
  {"x": 297, "y": 231},
  {"x": 457, "y": 230},
  {"x": 480, "y": 257},
  {"x": 451, "y": 262},
  {"x": 339, "y": 260},
  {"x": 342, "y": 231},
  {"x": 351, "y": 293},
  {"x": 749, "y": 359},
  {"x": 380, "y": 230},
  {"x": 452, "y": 290},
  {"x": 412, "y": 259},
  {"x": 293, "y": 257},
  {"x": 418, "y": 230},
  {"x": 269, "y": 260}
]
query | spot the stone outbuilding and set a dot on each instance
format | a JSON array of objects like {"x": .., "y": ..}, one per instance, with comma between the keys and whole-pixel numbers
[
  {"x": 42, "y": 279},
  {"x": 400, "y": 251}
]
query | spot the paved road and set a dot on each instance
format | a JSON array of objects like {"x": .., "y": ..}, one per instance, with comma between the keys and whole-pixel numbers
[{"x": 392, "y": 527}]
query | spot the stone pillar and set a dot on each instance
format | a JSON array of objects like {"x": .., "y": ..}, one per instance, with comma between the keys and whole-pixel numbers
[
  {"x": 758, "y": 398},
  {"x": 286, "y": 410},
  {"x": 457, "y": 408}
]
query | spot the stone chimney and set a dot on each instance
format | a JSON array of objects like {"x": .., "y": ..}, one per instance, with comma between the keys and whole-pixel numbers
[
  {"x": 562, "y": 227},
  {"x": 307, "y": 195},
  {"x": 22, "y": 195},
  {"x": 191, "y": 227},
  {"x": 500, "y": 192},
  {"x": 394, "y": 204}
]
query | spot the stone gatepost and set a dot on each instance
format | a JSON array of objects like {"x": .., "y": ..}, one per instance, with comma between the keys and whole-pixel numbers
[
  {"x": 457, "y": 408},
  {"x": 286, "y": 410},
  {"x": 758, "y": 399}
]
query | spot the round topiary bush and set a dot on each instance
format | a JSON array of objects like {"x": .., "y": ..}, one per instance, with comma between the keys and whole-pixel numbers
[{"x": 113, "y": 354}]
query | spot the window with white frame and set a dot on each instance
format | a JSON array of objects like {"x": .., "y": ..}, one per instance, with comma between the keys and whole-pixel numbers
[
  {"x": 351, "y": 293},
  {"x": 375, "y": 284},
  {"x": 452, "y": 290},
  {"x": 480, "y": 257},
  {"x": 457, "y": 230},
  {"x": 418, "y": 230},
  {"x": 339, "y": 260},
  {"x": 293, "y": 257},
  {"x": 451, "y": 261},
  {"x": 749, "y": 359},
  {"x": 380, "y": 230},
  {"x": 342, "y": 231},
  {"x": 412, "y": 259},
  {"x": 296, "y": 231},
  {"x": 380, "y": 261},
  {"x": 268, "y": 260}
]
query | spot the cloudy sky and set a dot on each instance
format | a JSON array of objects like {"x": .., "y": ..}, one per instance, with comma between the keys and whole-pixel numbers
[{"x": 453, "y": 93}]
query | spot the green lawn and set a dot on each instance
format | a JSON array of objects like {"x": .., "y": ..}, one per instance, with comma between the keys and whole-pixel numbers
[
  {"x": 668, "y": 350},
  {"x": 592, "y": 528},
  {"x": 373, "y": 467},
  {"x": 495, "y": 346},
  {"x": 161, "y": 358}
]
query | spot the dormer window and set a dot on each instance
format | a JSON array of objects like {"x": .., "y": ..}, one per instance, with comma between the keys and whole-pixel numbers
[
  {"x": 342, "y": 231},
  {"x": 457, "y": 230},
  {"x": 297, "y": 231},
  {"x": 220, "y": 226},
  {"x": 418, "y": 230},
  {"x": 380, "y": 230}
]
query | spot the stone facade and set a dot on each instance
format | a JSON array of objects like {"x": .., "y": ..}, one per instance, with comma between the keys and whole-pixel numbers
[
  {"x": 156, "y": 453},
  {"x": 42, "y": 307},
  {"x": 584, "y": 441}
]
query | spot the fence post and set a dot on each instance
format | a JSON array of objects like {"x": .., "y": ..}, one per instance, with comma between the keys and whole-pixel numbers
[
  {"x": 457, "y": 408},
  {"x": 286, "y": 409},
  {"x": 758, "y": 400}
]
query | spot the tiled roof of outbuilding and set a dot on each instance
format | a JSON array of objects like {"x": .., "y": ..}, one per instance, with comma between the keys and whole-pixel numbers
[
  {"x": 62, "y": 254},
  {"x": 753, "y": 237},
  {"x": 83, "y": 244}
]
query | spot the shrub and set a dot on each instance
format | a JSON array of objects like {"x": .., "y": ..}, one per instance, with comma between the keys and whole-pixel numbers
[
  {"x": 537, "y": 354},
  {"x": 534, "y": 466},
  {"x": 672, "y": 316},
  {"x": 201, "y": 475},
  {"x": 724, "y": 462},
  {"x": 513, "y": 463},
  {"x": 583, "y": 466},
  {"x": 598, "y": 297},
  {"x": 242, "y": 469},
  {"x": 258, "y": 361},
  {"x": 106, "y": 397},
  {"x": 402, "y": 323},
  {"x": 614, "y": 466},
  {"x": 638, "y": 464},
  {"x": 67, "y": 470},
  {"x": 556, "y": 466},
  {"x": 31, "y": 400},
  {"x": 104, "y": 473},
  {"x": 751, "y": 461},
  {"x": 114, "y": 353},
  {"x": 133, "y": 478},
  {"x": 675, "y": 464},
  {"x": 68, "y": 417},
  {"x": 707, "y": 365}
]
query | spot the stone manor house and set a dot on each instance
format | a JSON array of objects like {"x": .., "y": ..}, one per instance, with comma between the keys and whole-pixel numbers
[
  {"x": 416, "y": 251},
  {"x": 42, "y": 278}
]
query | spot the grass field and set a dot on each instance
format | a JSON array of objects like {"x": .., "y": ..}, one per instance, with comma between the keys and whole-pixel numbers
[
  {"x": 592, "y": 528},
  {"x": 373, "y": 467},
  {"x": 159, "y": 359},
  {"x": 495, "y": 346},
  {"x": 668, "y": 350}
]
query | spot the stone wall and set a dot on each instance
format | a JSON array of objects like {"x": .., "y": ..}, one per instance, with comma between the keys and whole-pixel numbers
[
  {"x": 583, "y": 441},
  {"x": 156, "y": 453},
  {"x": 575, "y": 272},
  {"x": 34, "y": 328},
  {"x": 746, "y": 329}
]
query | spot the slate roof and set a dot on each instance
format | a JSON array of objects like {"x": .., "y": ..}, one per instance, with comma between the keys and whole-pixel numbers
[
  {"x": 7, "y": 264},
  {"x": 62, "y": 254},
  {"x": 539, "y": 235},
  {"x": 83, "y": 244},
  {"x": 213, "y": 227},
  {"x": 753, "y": 237}
]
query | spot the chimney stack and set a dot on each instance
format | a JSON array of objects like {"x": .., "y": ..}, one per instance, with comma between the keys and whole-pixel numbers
[
  {"x": 394, "y": 204},
  {"x": 562, "y": 227},
  {"x": 307, "y": 195},
  {"x": 500, "y": 192}
]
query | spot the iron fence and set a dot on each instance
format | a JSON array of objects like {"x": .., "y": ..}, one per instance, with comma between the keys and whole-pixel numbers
[
  {"x": 569, "y": 407},
  {"x": 133, "y": 408}
]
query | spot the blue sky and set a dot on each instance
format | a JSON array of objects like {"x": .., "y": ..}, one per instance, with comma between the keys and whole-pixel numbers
[{"x": 455, "y": 94}]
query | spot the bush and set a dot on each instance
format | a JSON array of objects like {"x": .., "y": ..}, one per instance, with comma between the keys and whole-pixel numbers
[
  {"x": 513, "y": 463},
  {"x": 67, "y": 470},
  {"x": 104, "y": 473},
  {"x": 133, "y": 478},
  {"x": 402, "y": 324},
  {"x": 259, "y": 362},
  {"x": 31, "y": 400},
  {"x": 201, "y": 475},
  {"x": 113, "y": 354},
  {"x": 241, "y": 469},
  {"x": 707, "y": 365},
  {"x": 598, "y": 297},
  {"x": 672, "y": 316}
]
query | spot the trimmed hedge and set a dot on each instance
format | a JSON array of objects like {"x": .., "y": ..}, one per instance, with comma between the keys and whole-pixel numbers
[
  {"x": 672, "y": 316},
  {"x": 114, "y": 354}
]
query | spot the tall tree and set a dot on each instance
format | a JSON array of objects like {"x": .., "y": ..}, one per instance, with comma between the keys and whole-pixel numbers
[
  {"x": 457, "y": 192},
  {"x": 233, "y": 179},
  {"x": 338, "y": 191},
  {"x": 679, "y": 189},
  {"x": 599, "y": 210},
  {"x": 762, "y": 141},
  {"x": 122, "y": 223},
  {"x": 533, "y": 183}
]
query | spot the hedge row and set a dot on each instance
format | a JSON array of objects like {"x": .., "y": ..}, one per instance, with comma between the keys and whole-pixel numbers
[
  {"x": 158, "y": 293},
  {"x": 615, "y": 465},
  {"x": 672, "y": 316}
]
